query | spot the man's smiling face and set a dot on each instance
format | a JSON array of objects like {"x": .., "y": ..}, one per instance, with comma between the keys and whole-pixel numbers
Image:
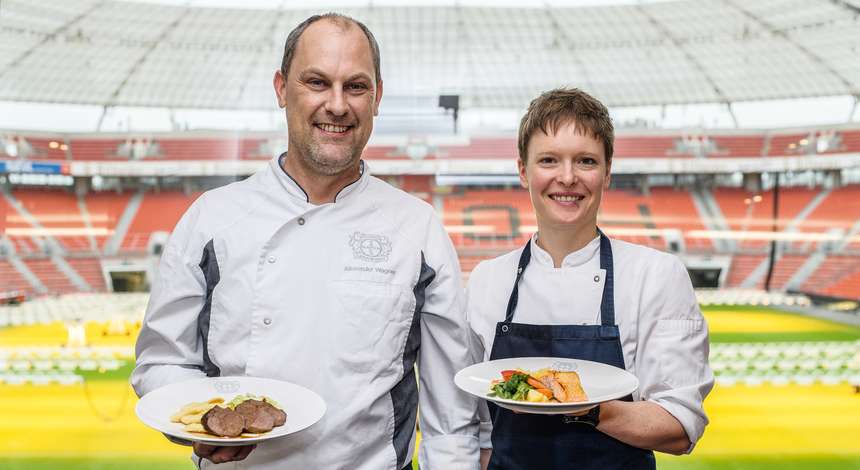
[{"x": 331, "y": 97}]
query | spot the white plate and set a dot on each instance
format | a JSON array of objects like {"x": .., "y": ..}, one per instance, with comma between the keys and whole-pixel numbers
[
  {"x": 303, "y": 407},
  {"x": 601, "y": 382}
]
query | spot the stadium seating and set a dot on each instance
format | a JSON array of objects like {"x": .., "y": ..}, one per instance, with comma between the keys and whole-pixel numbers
[
  {"x": 58, "y": 213},
  {"x": 742, "y": 266},
  {"x": 786, "y": 144},
  {"x": 47, "y": 149},
  {"x": 832, "y": 270},
  {"x": 96, "y": 149},
  {"x": 157, "y": 212},
  {"x": 839, "y": 210},
  {"x": 13, "y": 281},
  {"x": 105, "y": 210},
  {"x": 54, "y": 280},
  {"x": 780, "y": 363},
  {"x": 646, "y": 146},
  {"x": 736, "y": 146},
  {"x": 489, "y": 219},
  {"x": 850, "y": 140},
  {"x": 90, "y": 269}
]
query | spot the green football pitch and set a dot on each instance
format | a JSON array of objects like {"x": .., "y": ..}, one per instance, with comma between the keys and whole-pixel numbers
[{"x": 807, "y": 426}]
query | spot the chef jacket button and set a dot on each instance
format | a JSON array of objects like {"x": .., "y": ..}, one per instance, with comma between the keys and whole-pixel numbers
[
  {"x": 596, "y": 278},
  {"x": 505, "y": 328},
  {"x": 267, "y": 321},
  {"x": 301, "y": 220},
  {"x": 271, "y": 259}
]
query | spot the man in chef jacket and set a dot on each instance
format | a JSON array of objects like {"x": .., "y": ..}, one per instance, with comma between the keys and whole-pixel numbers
[
  {"x": 314, "y": 272},
  {"x": 572, "y": 292}
]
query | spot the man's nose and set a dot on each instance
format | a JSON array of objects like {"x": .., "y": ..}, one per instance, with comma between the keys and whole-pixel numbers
[{"x": 336, "y": 102}]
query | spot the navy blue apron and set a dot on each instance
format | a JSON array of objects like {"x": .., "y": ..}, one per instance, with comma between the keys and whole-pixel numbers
[{"x": 527, "y": 441}]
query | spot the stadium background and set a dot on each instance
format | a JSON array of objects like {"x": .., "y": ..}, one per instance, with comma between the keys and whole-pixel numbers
[{"x": 738, "y": 149}]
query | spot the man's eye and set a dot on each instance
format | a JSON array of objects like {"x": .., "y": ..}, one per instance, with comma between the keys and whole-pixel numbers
[
  {"x": 357, "y": 87},
  {"x": 316, "y": 82}
]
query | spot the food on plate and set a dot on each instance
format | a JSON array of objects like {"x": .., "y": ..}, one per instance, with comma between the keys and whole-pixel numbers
[
  {"x": 544, "y": 385},
  {"x": 245, "y": 415}
]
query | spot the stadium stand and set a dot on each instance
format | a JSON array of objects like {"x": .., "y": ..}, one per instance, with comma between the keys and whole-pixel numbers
[
  {"x": 105, "y": 210},
  {"x": 13, "y": 281},
  {"x": 157, "y": 212},
  {"x": 96, "y": 149},
  {"x": 91, "y": 270},
  {"x": 58, "y": 214},
  {"x": 742, "y": 266},
  {"x": 736, "y": 146},
  {"x": 54, "y": 280}
]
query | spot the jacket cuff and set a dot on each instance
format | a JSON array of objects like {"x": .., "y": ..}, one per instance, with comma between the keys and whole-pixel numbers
[
  {"x": 485, "y": 432},
  {"x": 451, "y": 452}
]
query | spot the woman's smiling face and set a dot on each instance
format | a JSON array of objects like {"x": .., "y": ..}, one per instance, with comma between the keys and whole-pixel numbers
[{"x": 566, "y": 173}]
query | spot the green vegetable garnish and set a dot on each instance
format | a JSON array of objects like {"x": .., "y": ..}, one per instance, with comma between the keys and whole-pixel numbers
[{"x": 515, "y": 388}]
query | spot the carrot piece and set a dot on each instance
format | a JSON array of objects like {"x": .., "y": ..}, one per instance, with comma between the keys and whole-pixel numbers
[{"x": 506, "y": 374}]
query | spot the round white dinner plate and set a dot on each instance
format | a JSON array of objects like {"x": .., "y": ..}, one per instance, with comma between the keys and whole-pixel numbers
[
  {"x": 601, "y": 382},
  {"x": 303, "y": 407}
]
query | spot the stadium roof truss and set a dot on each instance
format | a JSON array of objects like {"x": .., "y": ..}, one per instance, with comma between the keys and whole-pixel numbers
[{"x": 114, "y": 53}]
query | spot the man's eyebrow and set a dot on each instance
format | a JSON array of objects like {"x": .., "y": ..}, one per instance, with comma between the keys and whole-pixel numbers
[
  {"x": 359, "y": 76},
  {"x": 316, "y": 71},
  {"x": 312, "y": 71}
]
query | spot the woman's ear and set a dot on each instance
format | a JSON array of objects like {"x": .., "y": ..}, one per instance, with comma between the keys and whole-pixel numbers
[{"x": 521, "y": 169}]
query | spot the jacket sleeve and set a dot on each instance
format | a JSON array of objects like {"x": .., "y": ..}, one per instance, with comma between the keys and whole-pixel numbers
[
  {"x": 447, "y": 415},
  {"x": 169, "y": 348},
  {"x": 672, "y": 357},
  {"x": 476, "y": 292}
]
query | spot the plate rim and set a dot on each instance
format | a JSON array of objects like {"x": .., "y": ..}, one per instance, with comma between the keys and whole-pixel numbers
[{"x": 231, "y": 441}]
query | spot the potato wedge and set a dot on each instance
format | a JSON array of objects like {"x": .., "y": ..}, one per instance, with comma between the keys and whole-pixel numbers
[{"x": 195, "y": 427}]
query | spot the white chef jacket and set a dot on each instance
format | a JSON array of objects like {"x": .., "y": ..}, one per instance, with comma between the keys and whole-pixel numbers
[
  {"x": 664, "y": 337},
  {"x": 257, "y": 281}
]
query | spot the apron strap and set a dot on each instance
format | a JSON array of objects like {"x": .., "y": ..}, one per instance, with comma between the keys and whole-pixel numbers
[
  {"x": 525, "y": 257},
  {"x": 607, "y": 302}
]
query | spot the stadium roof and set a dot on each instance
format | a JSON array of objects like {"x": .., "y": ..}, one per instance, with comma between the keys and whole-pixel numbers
[{"x": 119, "y": 53}]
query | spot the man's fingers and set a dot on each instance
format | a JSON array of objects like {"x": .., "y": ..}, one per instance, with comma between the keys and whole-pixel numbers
[
  {"x": 229, "y": 454},
  {"x": 203, "y": 450},
  {"x": 244, "y": 451}
]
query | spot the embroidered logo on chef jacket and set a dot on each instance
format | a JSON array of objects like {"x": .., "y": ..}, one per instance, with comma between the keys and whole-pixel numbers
[{"x": 369, "y": 247}]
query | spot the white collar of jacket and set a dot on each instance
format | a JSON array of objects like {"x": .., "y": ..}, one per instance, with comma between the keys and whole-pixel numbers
[
  {"x": 572, "y": 260},
  {"x": 293, "y": 188}
]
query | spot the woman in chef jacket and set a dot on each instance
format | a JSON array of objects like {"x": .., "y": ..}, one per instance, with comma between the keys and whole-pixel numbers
[{"x": 573, "y": 292}]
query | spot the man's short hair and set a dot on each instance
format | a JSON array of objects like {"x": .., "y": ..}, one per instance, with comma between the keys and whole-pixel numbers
[
  {"x": 555, "y": 108},
  {"x": 339, "y": 19}
]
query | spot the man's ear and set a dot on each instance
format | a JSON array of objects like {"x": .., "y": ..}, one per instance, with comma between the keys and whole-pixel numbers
[
  {"x": 521, "y": 169},
  {"x": 378, "y": 98},
  {"x": 280, "y": 84}
]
